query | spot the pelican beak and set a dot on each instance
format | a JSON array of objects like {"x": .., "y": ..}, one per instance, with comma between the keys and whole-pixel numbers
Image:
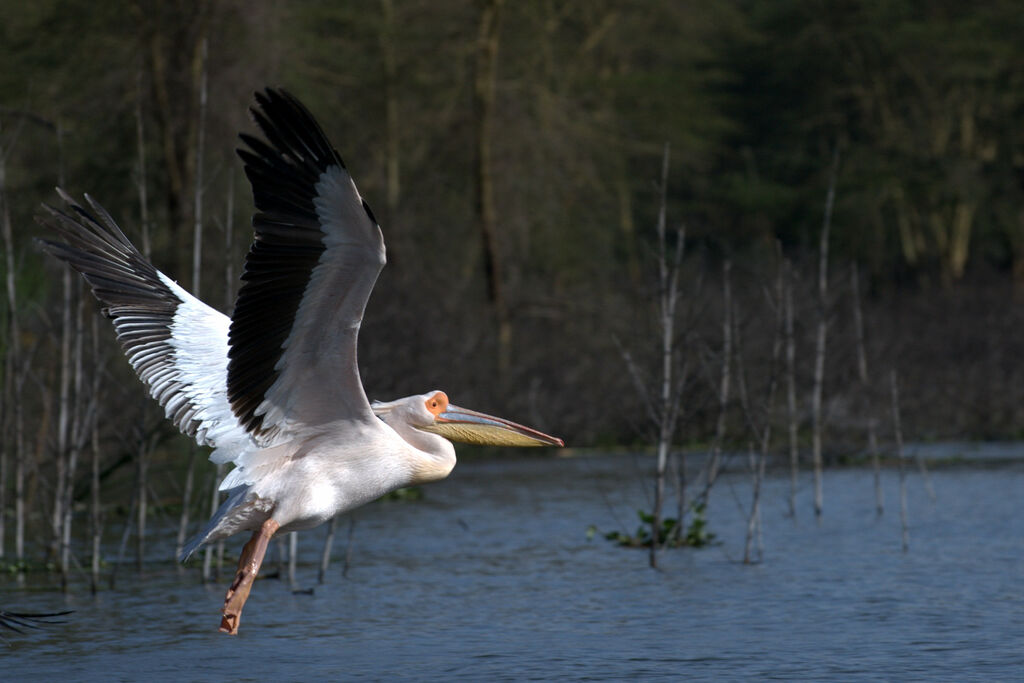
[{"x": 469, "y": 426}]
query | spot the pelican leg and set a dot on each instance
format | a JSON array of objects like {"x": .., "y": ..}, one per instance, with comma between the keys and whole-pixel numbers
[{"x": 248, "y": 567}]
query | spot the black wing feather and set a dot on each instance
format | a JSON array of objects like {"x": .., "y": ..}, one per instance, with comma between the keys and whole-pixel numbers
[{"x": 287, "y": 246}]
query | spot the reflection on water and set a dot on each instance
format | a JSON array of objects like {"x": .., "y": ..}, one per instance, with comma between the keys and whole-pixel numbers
[{"x": 491, "y": 577}]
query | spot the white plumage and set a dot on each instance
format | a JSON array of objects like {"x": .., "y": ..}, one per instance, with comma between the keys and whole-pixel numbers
[{"x": 275, "y": 389}]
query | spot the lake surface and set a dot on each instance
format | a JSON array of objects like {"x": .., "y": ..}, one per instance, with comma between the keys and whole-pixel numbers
[{"x": 492, "y": 577}]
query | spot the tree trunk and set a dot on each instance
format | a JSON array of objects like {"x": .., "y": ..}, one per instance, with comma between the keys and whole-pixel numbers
[
  {"x": 63, "y": 420},
  {"x": 293, "y": 558},
  {"x": 325, "y": 555},
  {"x": 791, "y": 409},
  {"x": 484, "y": 94},
  {"x": 862, "y": 375},
  {"x": 898, "y": 432},
  {"x": 668, "y": 408},
  {"x": 757, "y": 464},
  {"x": 186, "y": 502},
  {"x": 77, "y": 440},
  {"x": 174, "y": 37},
  {"x": 94, "y": 487},
  {"x": 197, "y": 263},
  {"x": 141, "y": 484},
  {"x": 349, "y": 545},
  {"x": 125, "y": 536},
  {"x": 14, "y": 375},
  {"x": 197, "y": 207},
  {"x": 140, "y": 179},
  {"x": 210, "y": 552},
  {"x": 725, "y": 380},
  {"x": 819, "y": 347},
  {"x": 392, "y": 139}
]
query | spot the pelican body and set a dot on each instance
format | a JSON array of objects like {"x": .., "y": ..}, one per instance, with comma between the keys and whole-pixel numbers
[{"x": 275, "y": 388}]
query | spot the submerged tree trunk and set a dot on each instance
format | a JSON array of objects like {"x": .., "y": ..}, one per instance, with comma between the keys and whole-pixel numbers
[
  {"x": 140, "y": 179},
  {"x": 96, "y": 520},
  {"x": 126, "y": 534},
  {"x": 819, "y": 347},
  {"x": 349, "y": 545},
  {"x": 791, "y": 409},
  {"x": 293, "y": 558},
  {"x": 210, "y": 553},
  {"x": 197, "y": 262},
  {"x": 4, "y": 458},
  {"x": 763, "y": 431},
  {"x": 229, "y": 292},
  {"x": 63, "y": 415},
  {"x": 64, "y": 407},
  {"x": 14, "y": 372},
  {"x": 862, "y": 376},
  {"x": 77, "y": 440},
  {"x": 668, "y": 408},
  {"x": 898, "y": 432},
  {"x": 325, "y": 555},
  {"x": 724, "y": 381},
  {"x": 757, "y": 464},
  {"x": 141, "y": 486},
  {"x": 186, "y": 502},
  {"x": 197, "y": 208}
]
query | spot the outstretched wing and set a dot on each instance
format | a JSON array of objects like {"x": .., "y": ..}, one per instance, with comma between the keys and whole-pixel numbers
[
  {"x": 177, "y": 344},
  {"x": 315, "y": 257}
]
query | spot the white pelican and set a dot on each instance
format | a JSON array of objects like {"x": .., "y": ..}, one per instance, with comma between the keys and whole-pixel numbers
[{"x": 275, "y": 388}]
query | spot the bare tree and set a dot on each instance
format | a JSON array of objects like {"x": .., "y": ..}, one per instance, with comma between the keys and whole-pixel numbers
[
  {"x": 293, "y": 558},
  {"x": 898, "y": 432},
  {"x": 325, "y": 554},
  {"x": 65, "y": 408},
  {"x": 669, "y": 396},
  {"x": 791, "y": 408},
  {"x": 229, "y": 288},
  {"x": 140, "y": 179},
  {"x": 760, "y": 418},
  {"x": 757, "y": 465},
  {"x": 63, "y": 417},
  {"x": 819, "y": 347},
  {"x": 125, "y": 537},
  {"x": 14, "y": 370},
  {"x": 663, "y": 408},
  {"x": 197, "y": 257},
  {"x": 725, "y": 380},
  {"x": 78, "y": 427},
  {"x": 197, "y": 210},
  {"x": 865, "y": 385},
  {"x": 141, "y": 493},
  {"x": 94, "y": 485},
  {"x": 349, "y": 544}
]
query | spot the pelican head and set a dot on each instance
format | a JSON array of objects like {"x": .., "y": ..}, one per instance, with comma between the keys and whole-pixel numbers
[{"x": 434, "y": 413}]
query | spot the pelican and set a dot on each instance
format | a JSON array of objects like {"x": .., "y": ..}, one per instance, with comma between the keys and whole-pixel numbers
[{"x": 275, "y": 388}]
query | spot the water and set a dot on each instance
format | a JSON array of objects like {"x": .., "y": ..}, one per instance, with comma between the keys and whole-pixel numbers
[{"x": 492, "y": 577}]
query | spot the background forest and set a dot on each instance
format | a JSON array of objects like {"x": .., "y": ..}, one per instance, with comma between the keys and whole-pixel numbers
[{"x": 512, "y": 152}]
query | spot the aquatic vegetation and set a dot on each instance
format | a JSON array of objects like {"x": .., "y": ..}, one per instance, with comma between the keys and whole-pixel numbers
[{"x": 670, "y": 532}]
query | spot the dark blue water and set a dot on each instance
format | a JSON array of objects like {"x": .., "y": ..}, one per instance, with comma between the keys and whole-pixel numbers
[{"x": 492, "y": 577}]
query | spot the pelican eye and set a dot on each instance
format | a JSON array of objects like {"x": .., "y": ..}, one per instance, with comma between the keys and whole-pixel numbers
[{"x": 437, "y": 403}]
